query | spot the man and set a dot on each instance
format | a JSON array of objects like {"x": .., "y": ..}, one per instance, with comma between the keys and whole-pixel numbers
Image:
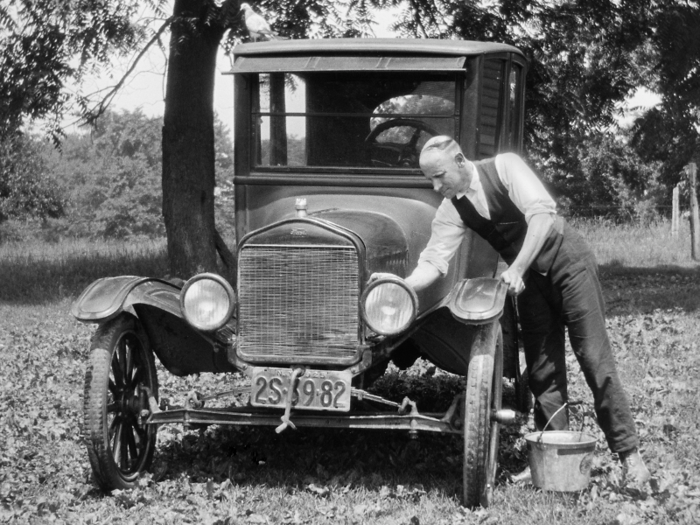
[{"x": 550, "y": 269}]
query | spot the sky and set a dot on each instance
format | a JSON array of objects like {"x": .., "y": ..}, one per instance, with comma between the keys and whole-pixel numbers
[{"x": 145, "y": 88}]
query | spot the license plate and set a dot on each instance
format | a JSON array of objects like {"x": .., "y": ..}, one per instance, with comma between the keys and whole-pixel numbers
[{"x": 315, "y": 390}]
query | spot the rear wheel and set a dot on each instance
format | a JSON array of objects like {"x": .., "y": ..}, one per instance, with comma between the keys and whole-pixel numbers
[
  {"x": 120, "y": 373},
  {"x": 483, "y": 395}
]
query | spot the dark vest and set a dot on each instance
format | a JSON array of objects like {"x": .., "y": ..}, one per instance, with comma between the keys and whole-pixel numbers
[{"x": 506, "y": 229}]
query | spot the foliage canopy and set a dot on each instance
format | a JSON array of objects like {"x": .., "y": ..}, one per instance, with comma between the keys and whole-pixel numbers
[
  {"x": 586, "y": 57},
  {"x": 103, "y": 184}
]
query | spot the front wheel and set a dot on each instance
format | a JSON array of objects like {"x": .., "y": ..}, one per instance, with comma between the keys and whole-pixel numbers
[
  {"x": 120, "y": 373},
  {"x": 482, "y": 397}
]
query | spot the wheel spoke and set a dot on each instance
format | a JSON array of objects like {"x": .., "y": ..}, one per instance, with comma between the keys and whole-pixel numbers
[
  {"x": 112, "y": 388},
  {"x": 138, "y": 376},
  {"x": 131, "y": 442},
  {"x": 113, "y": 425},
  {"x": 117, "y": 361},
  {"x": 124, "y": 447},
  {"x": 129, "y": 361},
  {"x": 117, "y": 441},
  {"x": 112, "y": 408},
  {"x": 123, "y": 350}
]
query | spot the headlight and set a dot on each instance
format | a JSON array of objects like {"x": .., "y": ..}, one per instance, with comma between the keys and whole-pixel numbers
[
  {"x": 389, "y": 306},
  {"x": 207, "y": 301}
]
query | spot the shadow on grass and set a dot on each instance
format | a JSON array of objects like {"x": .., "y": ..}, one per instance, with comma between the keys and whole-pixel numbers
[
  {"x": 325, "y": 460},
  {"x": 634, "y": 290},
  {"x": 317, "y": 459}
]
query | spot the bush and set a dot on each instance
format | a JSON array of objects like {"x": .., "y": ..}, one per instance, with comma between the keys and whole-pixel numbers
[
  {"x": 605, "y": 178},
  {"x": 27, "y": 190}
]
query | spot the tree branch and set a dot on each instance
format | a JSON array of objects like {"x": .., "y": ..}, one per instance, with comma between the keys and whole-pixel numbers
[
  {"x": 91, "y": 115},
  {"x": 417, "y": 18}
]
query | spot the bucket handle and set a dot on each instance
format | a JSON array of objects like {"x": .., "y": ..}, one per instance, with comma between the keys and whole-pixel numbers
[{"x": 566, "y": 403}]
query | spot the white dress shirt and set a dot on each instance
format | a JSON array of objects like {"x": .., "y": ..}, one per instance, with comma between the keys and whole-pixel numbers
[{"x": 524, "y": 188}]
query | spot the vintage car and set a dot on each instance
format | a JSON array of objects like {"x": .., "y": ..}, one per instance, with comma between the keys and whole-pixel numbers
[{"x": 327, "y": 193}]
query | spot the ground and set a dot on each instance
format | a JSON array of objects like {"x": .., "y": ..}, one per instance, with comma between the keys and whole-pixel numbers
[{"x": 226, "y": 476}]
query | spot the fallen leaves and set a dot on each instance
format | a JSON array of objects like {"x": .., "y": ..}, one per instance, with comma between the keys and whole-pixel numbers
[{"x": 224, "y": 476}]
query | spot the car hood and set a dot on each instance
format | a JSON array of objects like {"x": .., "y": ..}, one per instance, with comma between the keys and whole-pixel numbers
[
  {"x": 393, "y": 230},
  {"x": 385, "y": 240}
]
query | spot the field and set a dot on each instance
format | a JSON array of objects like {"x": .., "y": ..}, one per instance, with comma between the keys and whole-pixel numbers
[{"x": 230, "y": 476}]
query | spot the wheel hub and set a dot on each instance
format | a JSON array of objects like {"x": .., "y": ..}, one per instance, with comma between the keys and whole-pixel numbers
[{"x": 131, "y": 402}]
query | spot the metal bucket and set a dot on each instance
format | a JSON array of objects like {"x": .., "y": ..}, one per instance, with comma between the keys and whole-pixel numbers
[{"x": 560, "y": 460}]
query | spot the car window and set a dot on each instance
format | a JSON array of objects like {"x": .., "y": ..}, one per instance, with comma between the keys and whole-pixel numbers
[
  {"x": 491, "y": 122},
  {"x": 340, "y": 119}
]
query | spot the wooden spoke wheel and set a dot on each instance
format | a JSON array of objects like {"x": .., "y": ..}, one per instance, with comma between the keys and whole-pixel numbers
[
  {"x": 482, "y": 397},
  {"x": 120, "y": 373}
]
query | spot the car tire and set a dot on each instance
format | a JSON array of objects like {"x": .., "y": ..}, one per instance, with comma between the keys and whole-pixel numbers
[
  {"x": 482, "y": 396},
  {"x": 120, "y": 372}
]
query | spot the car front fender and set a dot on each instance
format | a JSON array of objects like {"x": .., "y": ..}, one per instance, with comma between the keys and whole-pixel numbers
[
  {"x": 477, "y": 301},
  {"x": 106, "y": 298}
]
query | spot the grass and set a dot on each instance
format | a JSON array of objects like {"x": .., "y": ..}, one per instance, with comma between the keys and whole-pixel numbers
[
  {"x": 633, "y": 245},
  {"x": 36, "y": 272},
  {"x": 235, "y": 475}
]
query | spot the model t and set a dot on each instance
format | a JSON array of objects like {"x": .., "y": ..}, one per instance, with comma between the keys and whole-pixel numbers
[{"x": 327, "y": 193}]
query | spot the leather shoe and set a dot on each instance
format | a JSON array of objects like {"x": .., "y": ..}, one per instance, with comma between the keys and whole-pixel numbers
[
  {"x": 633, "y": 468},
  {"x": 523, "y": 477}
]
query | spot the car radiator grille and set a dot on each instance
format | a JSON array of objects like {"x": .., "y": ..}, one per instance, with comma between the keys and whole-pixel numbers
[{"x": 298, "y": 304}]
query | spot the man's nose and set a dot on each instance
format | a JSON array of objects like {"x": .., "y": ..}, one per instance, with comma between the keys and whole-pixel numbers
[{"x": 437, "y": 185}]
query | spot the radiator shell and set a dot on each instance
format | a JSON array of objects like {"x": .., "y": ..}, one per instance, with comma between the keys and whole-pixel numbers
[{"x": 299, "y": 300}]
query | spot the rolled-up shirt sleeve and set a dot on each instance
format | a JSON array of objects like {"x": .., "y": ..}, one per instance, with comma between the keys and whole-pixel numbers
[
  {"x": 524, "y": 187},
  {"x": 447, "y": 233}
]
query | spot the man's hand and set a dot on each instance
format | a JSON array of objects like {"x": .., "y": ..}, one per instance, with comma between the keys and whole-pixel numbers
[
  {"x": 380, "y": 275},
  {"x": 538, "y": 229},
  {"x": 423, "y": 276},
  {"x": 514, "y": 281}
]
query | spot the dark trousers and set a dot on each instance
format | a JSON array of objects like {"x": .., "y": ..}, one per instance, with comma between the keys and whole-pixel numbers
[{"x": 570, "y": 295}]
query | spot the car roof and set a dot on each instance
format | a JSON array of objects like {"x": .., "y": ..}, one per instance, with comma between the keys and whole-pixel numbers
[{"x": 399, "y": 46}]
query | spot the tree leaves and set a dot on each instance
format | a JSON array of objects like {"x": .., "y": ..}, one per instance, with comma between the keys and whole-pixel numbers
[
  {"x": 106, "y": 184},
  {"x": 26, "y": 189},
  {"x": 47, "y": 44},
  {"x": 585, "y": 59}
]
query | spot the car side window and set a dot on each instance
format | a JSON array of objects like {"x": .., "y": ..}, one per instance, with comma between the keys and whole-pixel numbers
[
  {"x": 491, "y": 118},
  {"x": 356, "y": 120}
]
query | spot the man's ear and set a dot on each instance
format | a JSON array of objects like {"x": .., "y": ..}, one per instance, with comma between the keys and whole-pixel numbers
[{"x": 459, "y": 159}]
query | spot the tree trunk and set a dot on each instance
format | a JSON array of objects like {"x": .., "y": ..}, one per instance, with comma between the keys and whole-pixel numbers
[
  {"x": 188, "y": 141},
  {"x": 278, "y": 123}
]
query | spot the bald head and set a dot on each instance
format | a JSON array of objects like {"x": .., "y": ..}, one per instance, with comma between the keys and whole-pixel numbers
[
  {"x": 439, "y": 146},
  {"x": 445, "y": 166}
]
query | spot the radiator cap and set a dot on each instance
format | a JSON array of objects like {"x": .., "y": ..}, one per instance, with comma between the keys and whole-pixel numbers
[{"x": 301, "y": 207}]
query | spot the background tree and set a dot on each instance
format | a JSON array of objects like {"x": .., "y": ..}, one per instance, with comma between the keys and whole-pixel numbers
[
  {"x": 47, "y": 37},
  {"x": 111, "y": 177},
  {"x": 50, "y": 44},
  {"x": 586, "y": 57},
  {"x": 26, "y": 190},
  {"x": 197, "y": 30},
  {"x": 670, "y": 133}
]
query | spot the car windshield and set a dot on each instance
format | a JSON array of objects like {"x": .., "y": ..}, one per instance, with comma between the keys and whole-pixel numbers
[{"x": 332, "y": 119}]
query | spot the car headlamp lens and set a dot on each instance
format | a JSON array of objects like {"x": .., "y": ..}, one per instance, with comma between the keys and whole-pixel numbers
[
  {"x": 207, "y": 302},
  {"x": 389, "y": 306}
]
